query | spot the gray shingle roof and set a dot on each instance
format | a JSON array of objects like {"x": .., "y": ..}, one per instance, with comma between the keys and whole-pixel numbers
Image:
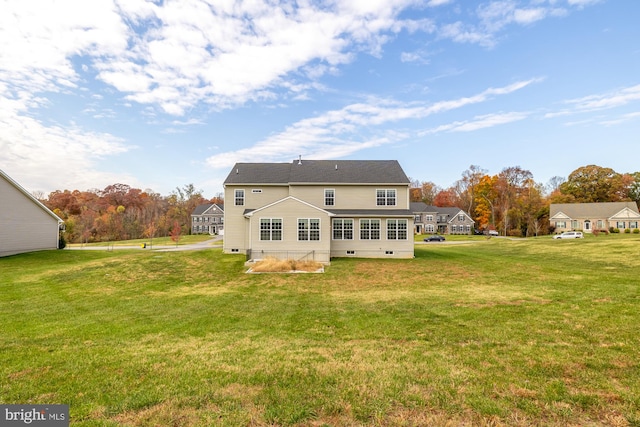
[
  {"x": 319, "y": 172},
  {"x": 590, "y": 210}
]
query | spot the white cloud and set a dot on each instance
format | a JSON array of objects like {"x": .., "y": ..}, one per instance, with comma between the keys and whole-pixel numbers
[
  {"x": 338, "y": 133},
  {"x": 613, "y": 99},
  {"x": 479, "y": 122},
  {"x": 621, "y": 119}
]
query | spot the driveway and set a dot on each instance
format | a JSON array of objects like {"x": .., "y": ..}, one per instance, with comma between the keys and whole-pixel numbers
[{"x": 207, "y": 244}]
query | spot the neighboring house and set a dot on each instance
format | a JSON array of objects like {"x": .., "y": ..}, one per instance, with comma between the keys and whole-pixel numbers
[
  {"x": 26, "y": 225},
  {"x": 318, "y": 209},
  {"x": 207, "y": 219},
  {"x": 433, "y": 219},
  {"x": 594, "y": 216}
]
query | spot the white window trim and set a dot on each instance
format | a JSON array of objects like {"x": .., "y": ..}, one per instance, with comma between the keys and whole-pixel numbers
[
  {"x": 235, "y": 198},
  {"x": 325, "y": 196},
  {"x": 309, "y": 230},
  {"x": 379, "y": 229},
  {"x": 353, "y": 231},
  {"x": 386, "y": 196},
  {"x": 270, "y": 230},
  {"x": 406, "y": 229}
]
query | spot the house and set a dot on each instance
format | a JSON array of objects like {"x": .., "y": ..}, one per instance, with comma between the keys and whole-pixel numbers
[
  {"x": 25, "y": 224},
  {"x": 207, "y": 219},
  {"x": 318, "y": 209},
  {"x": 594, "y": 216},
  {"x": 434, "y": 219}
]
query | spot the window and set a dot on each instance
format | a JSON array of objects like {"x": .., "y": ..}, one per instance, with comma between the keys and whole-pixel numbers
[
  {"x": 397, "y": 229},
  {"x": 600, "y": 224},
  {"x": 561, "y": 224},
  {"x": 633, "y": 224},
  {"x": 351, "y": 252},
  {"x": 342, "y": 229},
  {"x": 429, "y": 228},
  {"x": 429, "y": 218},
  {"x": 370, "y": 229},
  {"x": 385, "y": 197},
  {"x": 454, "y": 229},
  {"x": 239, "y": 197},
  {"x": 575, "y": 224},
  {"x": 270, "y": 229},
  {"x": 461, "y": 217},
  {"x": 467, "y": 229},
  {"x": 329, "y": 197},
  {"x": 620, "y": 224},
  {"x": 308, "y": 229},
  {"x": 388, "y": 252},
  {"x": 256, "y": 190},
  {"x": 417, "y": 218}
]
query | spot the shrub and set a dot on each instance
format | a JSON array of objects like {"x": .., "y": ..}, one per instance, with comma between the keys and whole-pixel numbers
[
  {"x": 62, "y": 243},
  {"x": 636, "y": 231},
  {"x": 627, "y": 231},
  {"x": 616, "y": 230},
  {"x": 275, "y": 265}
]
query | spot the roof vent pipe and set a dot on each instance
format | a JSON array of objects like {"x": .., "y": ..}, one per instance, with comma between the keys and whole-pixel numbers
[
  {"x": 336, "y": 167},
  {"x": 300, "y": 159}
]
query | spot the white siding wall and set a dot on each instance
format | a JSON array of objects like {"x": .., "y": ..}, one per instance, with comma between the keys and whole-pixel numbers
[{"x": 24, "y": 225}]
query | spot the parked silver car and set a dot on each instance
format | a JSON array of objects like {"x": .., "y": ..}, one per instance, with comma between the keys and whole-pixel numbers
[{"x": 569, "y": 235}]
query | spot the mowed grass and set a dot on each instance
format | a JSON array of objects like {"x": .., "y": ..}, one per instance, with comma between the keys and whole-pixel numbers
[{"x": 493, "y": 332}]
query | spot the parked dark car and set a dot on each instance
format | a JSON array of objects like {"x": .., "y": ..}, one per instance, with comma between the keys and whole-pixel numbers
[{"x": 434, "y": 238}]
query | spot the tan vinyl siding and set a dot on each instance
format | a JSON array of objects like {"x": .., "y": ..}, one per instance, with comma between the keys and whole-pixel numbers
[
  {"x": 235, "y": 224},
  {"x": 351, "y": 196},
  {"x": 375, "y": 248},
  {"x": 24, "y": 225},
  {"x": 289, "y": 211}
]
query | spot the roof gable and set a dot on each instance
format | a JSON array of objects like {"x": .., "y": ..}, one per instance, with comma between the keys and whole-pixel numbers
[
  {"x": 250, "y": 213},
  {"x": 29, "y": 196},
  {"x": 625, "y": 214},
  {"x": 319, "y": 172}
]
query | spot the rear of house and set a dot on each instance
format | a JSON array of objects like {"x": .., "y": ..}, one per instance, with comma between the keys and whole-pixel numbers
[
  {"x": 25, "y": 224},
  {"x": 318, "y": 209}
]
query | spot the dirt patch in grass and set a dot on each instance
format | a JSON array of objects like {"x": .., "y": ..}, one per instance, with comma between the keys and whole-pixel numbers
[{"x": 274, "y": 265}]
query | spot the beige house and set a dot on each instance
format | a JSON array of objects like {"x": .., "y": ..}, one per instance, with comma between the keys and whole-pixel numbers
[
  {"x": 594, "y": 216},
  {"x": 26, "y": 225},
  {"x": 318, "y": 209}
]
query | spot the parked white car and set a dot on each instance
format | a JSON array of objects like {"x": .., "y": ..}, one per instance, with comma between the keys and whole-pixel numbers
[{"x": 569, "y": 235}]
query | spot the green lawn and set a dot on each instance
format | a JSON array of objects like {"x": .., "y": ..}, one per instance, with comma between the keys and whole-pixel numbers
[{"x": 490, "y": 332}]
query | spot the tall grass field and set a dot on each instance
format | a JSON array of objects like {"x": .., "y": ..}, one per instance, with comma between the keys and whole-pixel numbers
[{"x": 534, "y": 332}]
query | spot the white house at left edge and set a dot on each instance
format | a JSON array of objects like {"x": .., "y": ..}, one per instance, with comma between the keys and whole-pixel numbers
[{"x": 26, "y": 225}]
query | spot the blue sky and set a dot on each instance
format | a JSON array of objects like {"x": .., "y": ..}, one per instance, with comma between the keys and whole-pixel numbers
[{"x": 159, "y": 94}]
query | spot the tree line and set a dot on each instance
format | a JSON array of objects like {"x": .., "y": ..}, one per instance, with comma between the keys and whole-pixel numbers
[
  {"x": 513, "y": 203},
  {"x": 120, "y": 212}
]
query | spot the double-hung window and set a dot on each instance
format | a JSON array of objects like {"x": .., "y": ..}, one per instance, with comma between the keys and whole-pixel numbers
[
  {"x": 239, "y": 197},
  {"x": 308, "y": 229},
  {"x": 270, "y": 229},
  {"x": 386, "y": 197},
  {"x": 396, "y": 229},
  {"x": 369, "y": 229},
  {"x": 329, "y": 197},
  {"x": 342, "y": 229}
]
